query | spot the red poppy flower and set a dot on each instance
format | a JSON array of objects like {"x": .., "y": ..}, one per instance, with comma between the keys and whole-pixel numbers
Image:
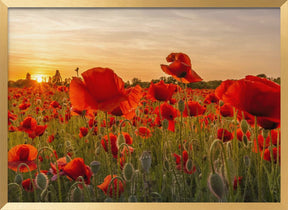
[
  {"x": 143, "y": 132},
  {"x": 11, "y": 117},
  {"x": 211, "y": 98},
  {"x": 240, "y": 134},
  {"x": 236, "y": 181},
  {"x": 51, "y": 138},
  {"x": 195, "y": 109},
  {"x": 55, "y": 105},
  {"x": 169, "y": 113},
  {"x": 161, "y": 91},
  {"x": 257, "y": 96},
  {"x": 267, "y": 123},
  {"x": 104, "y": 186},
  {"x": 28, "y": 125},
  {"x": 83, "y": 132},
  {"x": 180, "y": 68},
  {"x": 128, "y": 138},
  {"x": 248, "y": 117},
  {"x": 103, "y": 89},
  {"x": 61, "y": 162},
  {"x": 27, "y": 185},
  {"x": 226, "y": 110},
  {"x": 24, "y": 106},
  {"x": 39, "y": 131},
  {"x": 12, "y": 128},
  {"x": 267, "y": 154},
  {"x": 76, "y": 168},
  {"x": 185, "y": 159},
  {"x": 22, "y": 153},
  {"x": 113, "y": 143},
  {"x": 224, "y": 135}
]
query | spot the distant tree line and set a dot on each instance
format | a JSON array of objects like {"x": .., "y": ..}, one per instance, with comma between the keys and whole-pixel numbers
[
  {"x": 57, "y": 79},
  {"x": 213, "y": 84}
]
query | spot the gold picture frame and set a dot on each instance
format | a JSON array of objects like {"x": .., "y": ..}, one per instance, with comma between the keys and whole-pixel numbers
[{"x": 6, "y": 4}]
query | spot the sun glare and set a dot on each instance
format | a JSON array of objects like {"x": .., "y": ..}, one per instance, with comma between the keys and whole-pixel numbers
[{"x": 39, "y": 79}]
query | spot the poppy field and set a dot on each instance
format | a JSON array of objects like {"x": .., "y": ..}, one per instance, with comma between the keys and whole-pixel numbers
[{"x": 97, "y": 140}]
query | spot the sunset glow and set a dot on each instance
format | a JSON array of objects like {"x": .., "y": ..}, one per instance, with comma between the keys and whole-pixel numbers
[{"x": 222, "y": 43}]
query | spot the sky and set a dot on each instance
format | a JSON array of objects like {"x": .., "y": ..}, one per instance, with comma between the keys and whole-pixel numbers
[{"x": 221, "y": 43}]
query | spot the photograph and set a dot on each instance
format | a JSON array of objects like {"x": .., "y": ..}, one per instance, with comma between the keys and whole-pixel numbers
[{"x": 144, "y": 105}]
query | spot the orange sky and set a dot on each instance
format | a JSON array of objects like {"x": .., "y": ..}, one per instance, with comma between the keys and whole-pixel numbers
[{"x": 222, "y": 43}]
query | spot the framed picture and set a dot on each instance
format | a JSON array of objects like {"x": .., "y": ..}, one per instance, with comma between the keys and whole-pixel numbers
[{"x": 165, "y": 104}]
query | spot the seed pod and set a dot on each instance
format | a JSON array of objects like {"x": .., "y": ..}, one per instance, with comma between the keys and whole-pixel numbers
[
  {"x": 165, "y": 124},
  {"x": 216, "y": 185},
  {"x": 244, "y": 126},
  {"x": 18, "y": 179},
  {"x": 265, "y": 133},
  {"x": 146, "y": 161},
  {"x": 76, "y": 195},
  {"x": 132, "y": 198},
  {"x": 95, "y": 166},
  {"x": 120, "y": 140},
  {"x": 221, "y": 103},
  {"x": 128, "y": 171},
  {"x": 41, "y": 181},
  {"x": 181, "y": 106}
]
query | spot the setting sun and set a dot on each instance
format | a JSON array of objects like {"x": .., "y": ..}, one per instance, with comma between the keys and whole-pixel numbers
[{"x": 39, "y": 79}]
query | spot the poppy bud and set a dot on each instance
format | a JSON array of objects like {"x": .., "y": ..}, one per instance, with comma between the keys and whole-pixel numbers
[
  {"x": 146, "y": 161},
  {"x": 181, "y": 106},
  {"x": 95, "y": 166},
  {"x": 245, "y": 140},
  {"x": 247, "y": 161},
  {"x": 97, "y": 151},
  {"x": 128, "y": 171},
  {"x": 76, "y": 195},
  {"x": 18, "y": 179},
  {"x": 114, "y": 128},
  {"x": 132, "y": 198},
  {"x": 165, "y": 124},
  {"x": 108, "y": 199},
  {"x": 244, "y": 126},
  {"x": 120, "y": 140},
  {"x": 68, "y": 158},
  {"x": 216, "y": 185},
  {"x": 41, "y": 181},
  {"x": 221, "y": 103},
  {"x": 189, "y": 165}
]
